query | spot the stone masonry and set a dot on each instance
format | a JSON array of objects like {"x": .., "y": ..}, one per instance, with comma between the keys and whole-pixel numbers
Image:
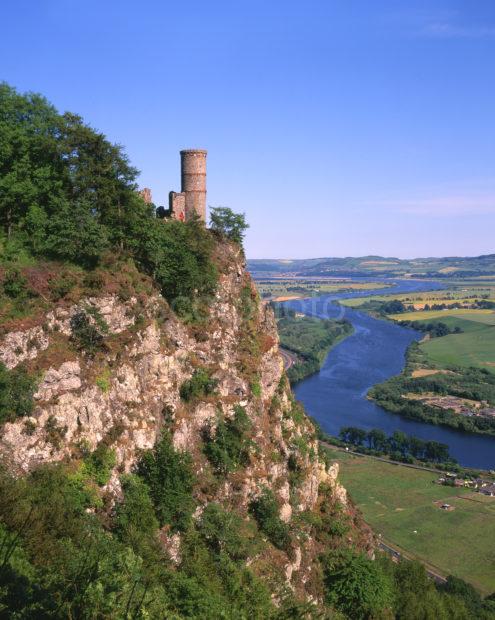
[{"x": 192, "y": 198}]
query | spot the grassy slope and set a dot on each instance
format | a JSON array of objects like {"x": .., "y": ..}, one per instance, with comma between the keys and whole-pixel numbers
[{"x": 396, "y": 501}]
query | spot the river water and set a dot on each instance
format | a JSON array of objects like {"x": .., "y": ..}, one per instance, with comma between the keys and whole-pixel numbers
[{"x": 336, "y": 396}]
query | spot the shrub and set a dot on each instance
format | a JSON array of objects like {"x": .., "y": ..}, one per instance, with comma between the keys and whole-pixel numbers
[
  {"x": 99, "y": 464},
  {"x": 169, "y": 476},
  {"x": 103, "y": 381},
  {"x": 223, "y": 532},
  {"x": 256, "y": 389},
  {"x": 228, "y": 446},
  {"x": 54, "y": 433},
  {"x": 16, "y": 393},
  {"x": 62, "y": 285},
  {"x": 355, "y": 585},
  {"x": 14, "y": 284},
  {"x": 88, "y": 329},
  {"x": 199, "y": 385},
  {"x": 265, "y": 510},
  {"x": 135, "y": 517}
]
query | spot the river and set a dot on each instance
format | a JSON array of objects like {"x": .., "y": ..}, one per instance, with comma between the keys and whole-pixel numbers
[{"x": 336, "y": 396}]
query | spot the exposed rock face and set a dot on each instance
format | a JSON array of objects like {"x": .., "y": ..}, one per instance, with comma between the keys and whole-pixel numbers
[
  {"x": 128, "y": 394},
  {"x": 55, "y": 382},
  {"x": 18, "y": 347}
]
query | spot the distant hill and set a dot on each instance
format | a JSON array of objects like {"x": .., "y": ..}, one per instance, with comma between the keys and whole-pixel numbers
[{"x": 365, "y": 266}]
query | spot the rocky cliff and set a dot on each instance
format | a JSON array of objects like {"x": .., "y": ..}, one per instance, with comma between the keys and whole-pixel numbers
[{"x": 129, "y": 392}]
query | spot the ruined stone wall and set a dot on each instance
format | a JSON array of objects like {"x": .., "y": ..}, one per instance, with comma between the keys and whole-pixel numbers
[
  {"x": 177, "y": 205},
  {"x": 145, "y": 194}
]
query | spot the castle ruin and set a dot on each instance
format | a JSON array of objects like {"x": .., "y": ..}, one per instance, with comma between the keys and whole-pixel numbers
[
  {"x": 192, "y": 197},
  {"x": 145, "y": 194}
]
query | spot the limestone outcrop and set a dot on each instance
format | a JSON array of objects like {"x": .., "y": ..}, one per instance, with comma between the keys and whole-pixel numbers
[{"x": 127, "y": 395}]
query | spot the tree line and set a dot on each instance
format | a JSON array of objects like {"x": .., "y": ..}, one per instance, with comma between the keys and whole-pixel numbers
[{"x": 399, "y": 446}]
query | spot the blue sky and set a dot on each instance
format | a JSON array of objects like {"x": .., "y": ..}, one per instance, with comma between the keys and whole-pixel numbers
[{"x": 341, "y": 127}]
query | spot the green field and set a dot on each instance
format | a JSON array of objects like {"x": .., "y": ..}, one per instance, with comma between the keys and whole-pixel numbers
[
  {"x": 419, "y": 299},
  {"x": 399, "y": 503},
  {"x": 475, "y": 346}
]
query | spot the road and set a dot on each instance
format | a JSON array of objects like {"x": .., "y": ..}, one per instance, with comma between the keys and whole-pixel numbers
[
  {"x": 398, "y": 554},
  {"x": 289, "y": 358}
]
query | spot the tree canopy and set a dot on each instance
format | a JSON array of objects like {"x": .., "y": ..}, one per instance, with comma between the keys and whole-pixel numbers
[
  {"x": 67, "y": 193},
  {"x": 231, "y": 225}
]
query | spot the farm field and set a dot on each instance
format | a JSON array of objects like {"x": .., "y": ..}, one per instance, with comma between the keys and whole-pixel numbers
[
  {"x": 475, "y": 346},
  {"x": 399, "y": 503},
  {"x": 479, "y": 316},
  {"x": 293, "y": 288},
  {"x": 434, "y": 297}
]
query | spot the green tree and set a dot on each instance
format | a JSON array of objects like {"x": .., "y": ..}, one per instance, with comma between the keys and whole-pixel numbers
[
  {"x": 222, "y": 531},
  {"x": 135, "y": 519},
  {"x": 231, "y": 225},
  {"x": 169, "y": 476},
  {"x": 355, "y": 585},
  {"x": 377, "y": 439},
  {"x": 30, "y": 167}
]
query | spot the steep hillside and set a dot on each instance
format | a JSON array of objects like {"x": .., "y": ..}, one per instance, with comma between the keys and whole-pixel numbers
[{"x": 146, "y": 380}]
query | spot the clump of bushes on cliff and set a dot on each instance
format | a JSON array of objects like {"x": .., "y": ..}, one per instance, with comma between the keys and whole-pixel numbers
[
  {"x": 170, "y": 478},
  {"x": 61, "y": 556},
  {"x": 355, "y": 585},
  {"x": 68, "y": 194},
  {"x": 201, "y": 384},
  {"x": 60, "y": 560},
  {"x": 17, "y": 387},
  {"x": 88, "y": 330},
  {"x": 266, "y": 512},
  {"x": 227, "y": 446}
]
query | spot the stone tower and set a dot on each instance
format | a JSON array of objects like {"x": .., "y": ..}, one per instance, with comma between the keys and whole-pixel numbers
[{"x": 192, "y": 198}]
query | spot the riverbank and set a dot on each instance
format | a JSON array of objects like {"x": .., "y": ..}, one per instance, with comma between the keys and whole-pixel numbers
[
  {"x": 336, "y": 396},
  {"x": 458, "y": 397},
  {"x": 442, "y": 389},
  {"x": 306, "y": 341}
]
